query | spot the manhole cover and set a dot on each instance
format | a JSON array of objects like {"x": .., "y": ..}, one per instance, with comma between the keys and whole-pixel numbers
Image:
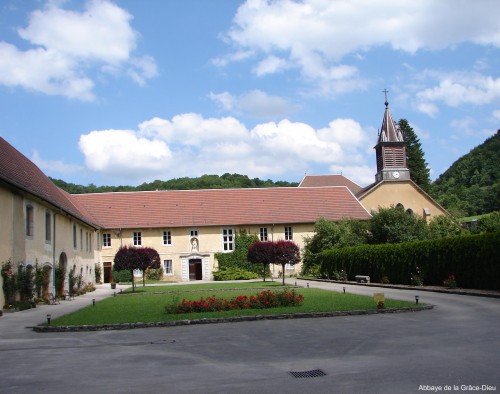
[
  {"x": 162, "y": 342},
  {"x": 315, "y": 373}
]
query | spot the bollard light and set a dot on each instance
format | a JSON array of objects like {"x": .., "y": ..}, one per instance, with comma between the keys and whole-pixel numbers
[
  {"x": 308, "y": 285},
  {"x": 344, "y": 289},
  {"x": 114, "y": 294},
  {"x": 49, "y": 316},
  {"x": 416, "y": 299},
  {"x": 121, "y": 291},
  {"x": 93, "y": 301},
  {"x": 295, "y": 283}
]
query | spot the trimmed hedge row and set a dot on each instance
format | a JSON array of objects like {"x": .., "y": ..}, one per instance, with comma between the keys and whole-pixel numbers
[{"x": 473, "y": 259}]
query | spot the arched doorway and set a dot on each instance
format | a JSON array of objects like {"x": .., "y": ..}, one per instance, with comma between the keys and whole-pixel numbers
[
  {"x": 46, "y": 279},
  {"x": 60, "y": 274}
]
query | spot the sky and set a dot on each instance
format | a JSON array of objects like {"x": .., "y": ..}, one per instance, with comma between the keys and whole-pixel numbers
[{"x": 124, "y": 92}]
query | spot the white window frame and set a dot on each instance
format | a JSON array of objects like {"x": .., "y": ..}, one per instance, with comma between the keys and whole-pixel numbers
[
  {"x": 167, "y": 238},
  {"x": 137, "y": 238},
  {"x": 228, "y": 239},
  {"x": 288, "y": 233},
  {"x": 263, "y": 234},
  {"x": 106, "y": 240},
  {"x": 166, "y": 262}
]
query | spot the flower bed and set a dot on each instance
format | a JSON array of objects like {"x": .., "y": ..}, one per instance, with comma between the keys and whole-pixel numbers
[{"x": 264, "y": 299}]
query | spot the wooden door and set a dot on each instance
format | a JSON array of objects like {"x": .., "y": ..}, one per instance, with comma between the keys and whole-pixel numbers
[{"x": 195, "y": 269}]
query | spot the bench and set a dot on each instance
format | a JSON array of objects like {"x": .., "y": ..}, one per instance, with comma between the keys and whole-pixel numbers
[{"x": 362, "y": 279}]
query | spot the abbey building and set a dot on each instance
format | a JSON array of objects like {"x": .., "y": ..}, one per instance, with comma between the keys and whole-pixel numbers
[{"x": 42, "y": 224}]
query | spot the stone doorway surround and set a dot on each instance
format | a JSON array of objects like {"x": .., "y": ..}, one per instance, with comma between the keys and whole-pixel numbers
[{"x": 190, "y": 270}]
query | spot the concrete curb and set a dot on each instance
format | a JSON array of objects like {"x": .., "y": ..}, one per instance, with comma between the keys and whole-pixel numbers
[
  {"x": 472, "y": 292},
  {"x": 238, "y": 319}
]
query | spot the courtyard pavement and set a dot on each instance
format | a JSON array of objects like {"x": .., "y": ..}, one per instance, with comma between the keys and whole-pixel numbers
[{"x": 454, "y": 347}]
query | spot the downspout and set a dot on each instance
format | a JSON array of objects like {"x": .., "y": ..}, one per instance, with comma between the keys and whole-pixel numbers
[{"x": 54, "y": 255}]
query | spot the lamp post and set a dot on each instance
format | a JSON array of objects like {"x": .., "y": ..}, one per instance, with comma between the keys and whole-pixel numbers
[
  {"x": 49, "y": 316},
  {"x": 93, "y": 301},
  {"x": 416, "y": 299}
]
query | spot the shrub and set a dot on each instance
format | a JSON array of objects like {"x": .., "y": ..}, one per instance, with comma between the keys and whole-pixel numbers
[
  {"x": 122, "y": 276},
  {"x": 25, "y": 282},
  {"x": 264, "y": 299},
  {"x": 233, "y": 273},
  {"x": 473, "y": 258},
  {"x": 97, "y": 273},
  {"x": 9, "y": 283},
  {"x": 154, "y": 273}
]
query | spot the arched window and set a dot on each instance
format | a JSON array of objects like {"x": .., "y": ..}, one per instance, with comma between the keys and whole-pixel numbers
[
  {"x": 409, "y": 211},
  {"x": 400, "y": 206}
]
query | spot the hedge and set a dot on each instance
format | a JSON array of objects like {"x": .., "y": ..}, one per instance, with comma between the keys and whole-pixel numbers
[{"x": 473, "y": 259}]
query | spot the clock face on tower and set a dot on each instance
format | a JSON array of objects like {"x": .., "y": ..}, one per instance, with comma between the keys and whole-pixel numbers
[{"x": 395, "y": 174}]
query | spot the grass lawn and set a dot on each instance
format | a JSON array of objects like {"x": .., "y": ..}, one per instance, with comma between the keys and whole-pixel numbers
[
  {"x": 204, "y": 286},
  {"x": 147, "y": 308}
]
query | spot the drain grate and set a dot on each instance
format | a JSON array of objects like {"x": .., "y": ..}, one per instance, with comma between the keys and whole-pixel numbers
[{"x": 315, "y": 373}]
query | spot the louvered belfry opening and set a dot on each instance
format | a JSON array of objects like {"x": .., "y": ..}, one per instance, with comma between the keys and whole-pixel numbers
[{"x": 394, "y": 157}]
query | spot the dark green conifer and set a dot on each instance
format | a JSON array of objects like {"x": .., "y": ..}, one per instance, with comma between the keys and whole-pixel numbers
[{"x": 415, "y": 160}]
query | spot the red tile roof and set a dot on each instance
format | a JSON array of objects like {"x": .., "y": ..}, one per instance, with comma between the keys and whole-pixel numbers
[
  {"x": 329, "y": 180},
  {"x": 221, "y": 207},
  {"x": 22, "y": 174}
]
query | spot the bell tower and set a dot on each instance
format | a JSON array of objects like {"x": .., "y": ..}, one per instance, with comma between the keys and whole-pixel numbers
[{"x": 390, "y": 150}]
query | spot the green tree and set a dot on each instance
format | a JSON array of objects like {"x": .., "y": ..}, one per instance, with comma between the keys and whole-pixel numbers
[
  {"x": 328, "y": 235},
  {"x": 471, "y": 186},
  {"x": 445, "y": 226},
  {"x": 419, "y": 171},
  {"x": 394, "y": 225},
  {"x": 487, "y": 224}
]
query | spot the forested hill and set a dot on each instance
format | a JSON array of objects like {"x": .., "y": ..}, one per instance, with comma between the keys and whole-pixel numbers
[
  {"x": 225, "y": 181},
  {"x": 471, "y": 186}
]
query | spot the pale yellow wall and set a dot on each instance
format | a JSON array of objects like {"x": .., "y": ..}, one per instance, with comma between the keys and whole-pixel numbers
[
  {"x": 35, "y": 249},
  {"x": 392, "y": 193},
  {"x": 6, "y": 217},
  {"x": 210, "y": 242}
]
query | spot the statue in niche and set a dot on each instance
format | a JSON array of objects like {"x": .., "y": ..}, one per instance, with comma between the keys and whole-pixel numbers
[{"x": 194, "y": 245}]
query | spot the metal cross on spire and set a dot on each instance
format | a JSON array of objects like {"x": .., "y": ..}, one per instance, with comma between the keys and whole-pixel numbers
[{"x": 385, "y": 91}]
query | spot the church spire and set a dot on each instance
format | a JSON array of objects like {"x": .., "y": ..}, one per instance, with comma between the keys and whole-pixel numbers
[{"x": 390, "y": 150}]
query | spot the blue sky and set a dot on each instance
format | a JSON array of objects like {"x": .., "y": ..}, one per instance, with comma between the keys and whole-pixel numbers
[{"x": 126, "y": 91}]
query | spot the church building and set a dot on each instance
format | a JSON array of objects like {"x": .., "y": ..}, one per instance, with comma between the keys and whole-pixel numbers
[{"x": 393, "y": 185}]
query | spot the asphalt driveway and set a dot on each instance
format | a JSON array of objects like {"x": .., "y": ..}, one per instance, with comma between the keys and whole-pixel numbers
[{"x": 454, "y": 347}]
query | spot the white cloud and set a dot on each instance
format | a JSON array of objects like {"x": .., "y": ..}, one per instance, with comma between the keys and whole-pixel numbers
[
  {"x": 124, "y": 153},
  {"x": 496, "y": 114},
  {"x": 316, "y": 35},
  {"x": 237, "y": 56},
  {"x": 55, "y": 166},
  {"x": 270, "y": 65},
  {"x": 67, "y": 45},
  {"x": 191, "y": 145},
  {"x": 255, "y": 103},
  {"x": 458, "y": 88}
]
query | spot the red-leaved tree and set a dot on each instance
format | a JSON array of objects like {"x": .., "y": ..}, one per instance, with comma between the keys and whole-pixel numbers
[
  {"x": 261, "y": 252},
  {"x": 286, "y": 252},
  {"x": 132, "y": 258}
]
